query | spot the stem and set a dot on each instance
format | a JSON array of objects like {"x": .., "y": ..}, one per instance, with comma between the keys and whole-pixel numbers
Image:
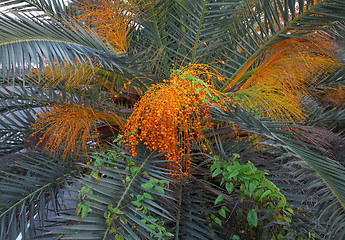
[
  {"x": 126, "y": 191},
  {"x": 113, "y": 74},
  {"x": 158, "y": 34},
  {"x": 178, "y": 217},
  {"x": 266, "y": 44},
  {"x": 247, "y": 75},
  {"x": 156, "y": 26}
]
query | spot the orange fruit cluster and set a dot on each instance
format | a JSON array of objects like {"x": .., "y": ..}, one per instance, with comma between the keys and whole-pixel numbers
[
  {"x": 112, "y": 20},
  {"x": 173, "y": 114}
]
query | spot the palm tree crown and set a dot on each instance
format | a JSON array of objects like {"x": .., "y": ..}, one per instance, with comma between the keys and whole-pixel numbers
[{"x": 172, "y": 119}]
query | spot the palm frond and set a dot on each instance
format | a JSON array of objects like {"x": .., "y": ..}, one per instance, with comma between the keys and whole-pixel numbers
[
  {"x": 235, "y": 33},
  {"x": 54, "y": 8},
  {"x": 27, "y": 186},
  {"x": 193, "y": 214},
  {"x": 330, "y": 171},
  {"x": 303, "y": 175},
  {"x": 174, "y": 32},
  {"x": 317, "y": 210},
  {"x": 25, "y": 102},
  {"x": 18, "y": 107},
  {"x": 259, "y": 25},
  {"x": 112, "y": 20},
  {"x": 323, "y": 116},
  {"x": 330, "y": 90},
  {"x": 124, "y": 197},
  {"x": 71, "y": 127},
  {"x": 307, "y": 194},
  {"x": 49, "y": 42},
  {"x": 121, "y": 190},
  {"x": 152, "y": 41},
  {"x": 327, "y": 214}
]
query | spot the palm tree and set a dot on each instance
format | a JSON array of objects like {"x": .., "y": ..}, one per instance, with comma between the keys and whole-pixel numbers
[{"x": 254, "y": 149}]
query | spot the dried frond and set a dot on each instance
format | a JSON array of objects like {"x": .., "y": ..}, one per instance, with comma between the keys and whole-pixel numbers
[
  {"x": 111, "y": 19},
  {"x": 328, "y": 142},
  {"x": 285, "y": 73},
  {"x": 68, "y": 128},
  {"x": 173, "y": 114},
  {"x": 79, "y": 76},
  {"x": 277, "y": 101},
  {"x": 294, "y": 62}
]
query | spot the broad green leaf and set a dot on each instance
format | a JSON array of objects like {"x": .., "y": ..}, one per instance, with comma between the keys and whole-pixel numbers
[
  {"x": 217, "y": 172},
  {"x": 229, "y": 187},
  {"x": 252, "y": 218},
  {"x": 218, "y": 199}
]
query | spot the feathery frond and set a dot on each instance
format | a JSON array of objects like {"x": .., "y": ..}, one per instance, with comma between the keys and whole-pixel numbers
[
  {"x": 265, "y": 23},
  {"x": 33, "y": 182},
  {"x": 124, "y": 196},
  {"x": 285, "y": 75},
  {"x": 68, "y": 128}
]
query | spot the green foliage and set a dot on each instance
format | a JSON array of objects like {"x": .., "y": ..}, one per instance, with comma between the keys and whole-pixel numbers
[
  {"x": 252, "y": 183},
  {"x": 197, "y": 81},
  {"x": 29, "y": 186},
  {"x": 290, "y": 150}
]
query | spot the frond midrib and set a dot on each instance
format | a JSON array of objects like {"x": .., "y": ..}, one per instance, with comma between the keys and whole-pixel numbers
[
  {"x": 128, "y": 187},
  {"x": 38, "y": 40}
]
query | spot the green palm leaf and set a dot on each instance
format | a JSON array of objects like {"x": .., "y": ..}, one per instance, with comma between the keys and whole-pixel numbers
[
  {"x": 176, "y": 29},
  {"x": 54, "y": 8},
  {"x": 18, "y": 107},
  {"x": 130, "y": 188},
  {"x": 50, "y": 42},
  {"x": 36, "y": 34},
  {"x": 193, "y": 214},
  {"x": 185, "y": 216},
  {"x": 236, "y": 32},
  {"x": 325, "y": 117},
  {"x": 27, "y": 186}
]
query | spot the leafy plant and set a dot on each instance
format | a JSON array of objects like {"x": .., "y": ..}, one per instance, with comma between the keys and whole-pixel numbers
[{"x": 253, "y": 184}]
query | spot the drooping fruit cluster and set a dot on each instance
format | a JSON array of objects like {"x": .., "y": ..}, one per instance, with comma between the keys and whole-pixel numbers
[
  {"x": 69, "y": 128},
  {"x": 174, "y": 114},
  {"x": 112, "y": 20}
]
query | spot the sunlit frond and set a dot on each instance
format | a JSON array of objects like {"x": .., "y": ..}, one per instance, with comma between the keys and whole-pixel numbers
[
  {"x": 285, "y": 74},
  {"x": 277, "y": 102},
  {"x": 70, "y": 76}
]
